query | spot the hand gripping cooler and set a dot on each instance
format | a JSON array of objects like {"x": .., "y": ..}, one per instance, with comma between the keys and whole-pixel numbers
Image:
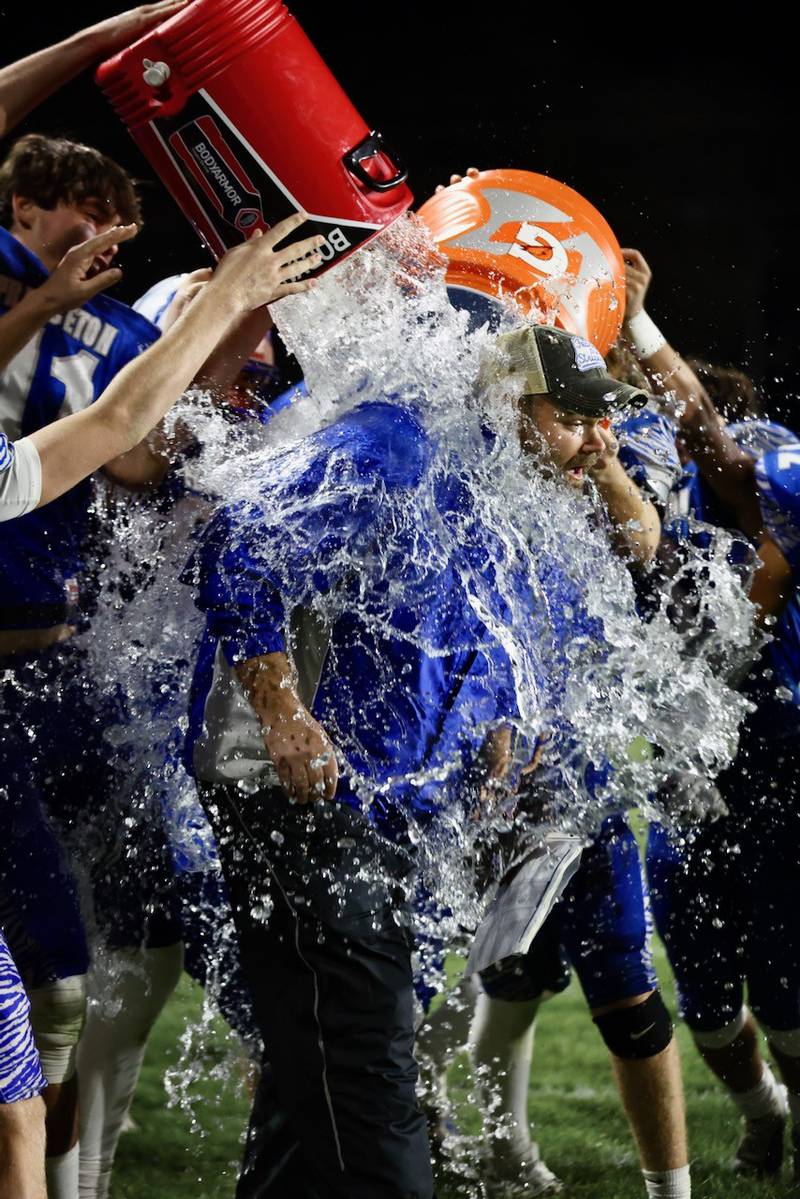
[{"x": 244, "y": 123}]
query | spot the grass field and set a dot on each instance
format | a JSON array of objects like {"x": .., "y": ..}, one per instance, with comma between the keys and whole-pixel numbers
[{"x": 580, "y": 1126}]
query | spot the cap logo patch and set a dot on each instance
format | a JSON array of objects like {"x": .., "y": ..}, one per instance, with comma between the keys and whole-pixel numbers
[{"x": 587, "y": 356}]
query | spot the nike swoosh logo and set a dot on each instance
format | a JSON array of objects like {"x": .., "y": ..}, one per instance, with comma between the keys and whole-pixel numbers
[{"x": 637, "y": 1036}]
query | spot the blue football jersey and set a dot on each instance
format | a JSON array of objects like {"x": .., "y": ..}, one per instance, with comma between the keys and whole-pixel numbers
[
  {"x": 156, "y": 300},
  {"x": 774, "y": 684},
  {"x": 647, "y": 451},
  {"x": 778, "y": 481},
  {"x": 62, "y": 370},
  {"x": 691, "y": 496},
  {"x": 777, "y": 470},
  {"x": 758, "y": 437}
]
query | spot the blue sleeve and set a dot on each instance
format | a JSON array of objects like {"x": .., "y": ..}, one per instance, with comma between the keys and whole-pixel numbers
[
  {"x": 252, "y": 568},
  {"x": 242, "y": 603},
  {"x": 778, "y": 484},
  {"x": 319, "y": 510},
  {"x": 647, "y": 451}
]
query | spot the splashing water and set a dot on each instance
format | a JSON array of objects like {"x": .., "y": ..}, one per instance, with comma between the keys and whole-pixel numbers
[
  {"x": 588, "y": 672},
  {"x": 375, "y": 328}
]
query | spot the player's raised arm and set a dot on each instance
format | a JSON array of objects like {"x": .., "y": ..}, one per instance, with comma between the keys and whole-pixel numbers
[
  {"x": 248, "y": 277},
  {"x": 728, "y": 469},
  {"x": 774, "y": 583},
  {"x": 259, "y": 272},
  {"x": 28, "y": 82}
]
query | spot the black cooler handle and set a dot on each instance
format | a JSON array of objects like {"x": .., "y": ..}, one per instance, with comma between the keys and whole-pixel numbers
[{"x": 372, "y": 145}]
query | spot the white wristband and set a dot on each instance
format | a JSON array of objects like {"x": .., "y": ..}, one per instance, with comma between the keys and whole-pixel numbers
[{"x": 644, "y": 335}]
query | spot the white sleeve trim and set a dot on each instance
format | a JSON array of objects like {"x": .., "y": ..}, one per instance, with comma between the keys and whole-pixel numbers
[{"x": 21, "y": 481}]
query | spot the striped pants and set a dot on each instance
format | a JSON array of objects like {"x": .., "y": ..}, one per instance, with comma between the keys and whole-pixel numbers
[{"x": 20, "y": 1072}]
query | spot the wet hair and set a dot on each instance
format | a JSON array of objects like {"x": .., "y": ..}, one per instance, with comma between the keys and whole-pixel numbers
[
  {"x": 53, "y": 170},
  {"x": 622, "y": 364},
  {"x": 732, "y": 393}
]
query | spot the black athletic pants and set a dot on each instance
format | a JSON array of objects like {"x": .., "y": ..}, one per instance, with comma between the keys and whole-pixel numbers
[{"x": 318, "y": 905}]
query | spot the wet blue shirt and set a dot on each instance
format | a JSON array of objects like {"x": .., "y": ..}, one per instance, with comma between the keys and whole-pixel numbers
[
  {"x": 778, "y": 482},
  {"x": 362, "y": 517},
  {"x": 779, "y": 665}
]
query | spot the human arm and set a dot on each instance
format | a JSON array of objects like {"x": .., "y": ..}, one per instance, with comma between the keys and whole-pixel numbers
[
  {"x": 496, "y": 753},
  {"x": 228, "y": 358},
  {"x": 662, "y": 364},
  {"x": 29, "y": 82},
  {"x": 773, "y": 583},
  {"x": 635, "y": 524},
  {"x": 298, "y": 746},
  {"x": 727, "y": 469},
  {"x": 20, "y": 478},
  {"x": 220, "y": 371},
  {"x": 248, "y": 277},
  {"x": 148, "y": 463},
  {"x": 495, "y": 760}
]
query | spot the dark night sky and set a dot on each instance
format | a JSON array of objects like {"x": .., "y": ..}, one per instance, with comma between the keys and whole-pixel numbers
[{"x": 681, "y": 138}]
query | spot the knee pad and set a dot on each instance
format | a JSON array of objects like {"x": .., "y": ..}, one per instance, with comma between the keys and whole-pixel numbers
[
  {"x": 637, "y": 1032},
  {"x": 58, "y": 1013},
  {"x": 786, "y": 1041},
  {"x": 542, "y": 973},
  {"x": 718, "y": 1038}
]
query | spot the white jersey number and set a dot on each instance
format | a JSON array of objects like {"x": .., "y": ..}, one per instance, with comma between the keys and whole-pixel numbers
[
  {"x": 789, "y": 457},
  {"x": 74, "y": 371}
]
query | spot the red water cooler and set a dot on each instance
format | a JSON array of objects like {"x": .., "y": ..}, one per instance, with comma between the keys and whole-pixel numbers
[{"x": 244, "y": 123}]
